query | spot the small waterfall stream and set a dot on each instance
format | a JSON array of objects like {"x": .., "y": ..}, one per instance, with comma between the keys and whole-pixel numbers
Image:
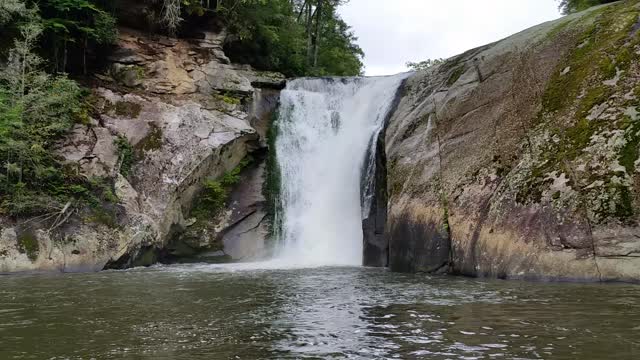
[{"x": 327, "y": 132}]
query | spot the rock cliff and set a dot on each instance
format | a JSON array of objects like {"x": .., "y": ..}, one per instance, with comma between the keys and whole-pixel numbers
[
  {"x": 169, "y": 115},
  {"x": 519, "y": 159}
]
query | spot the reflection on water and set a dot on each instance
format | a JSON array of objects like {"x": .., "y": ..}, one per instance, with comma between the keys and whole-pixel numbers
[{"x": 230, "y": 312}]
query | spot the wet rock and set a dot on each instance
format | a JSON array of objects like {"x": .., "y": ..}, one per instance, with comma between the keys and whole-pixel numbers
[
  {"x": 248, "y": 219},
  {"x": 501, "y": 177}
]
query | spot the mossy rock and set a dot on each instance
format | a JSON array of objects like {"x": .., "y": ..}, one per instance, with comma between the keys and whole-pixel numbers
[
  {"x": 153, "y": 141},
  {"x": 128, "y": 109},
  {"x": 604, "y": 49},
  {"x": 28, "y": 244},
  {"x": 455, "y": 76}
]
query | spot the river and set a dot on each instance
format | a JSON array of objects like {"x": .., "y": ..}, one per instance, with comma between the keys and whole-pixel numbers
[{"x": 243, "y": 312}]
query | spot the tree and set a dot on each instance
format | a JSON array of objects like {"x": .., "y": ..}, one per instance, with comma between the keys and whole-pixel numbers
[
  {"x": 10, "y": 9},
  {"x": 81, "y": 24},
  {"x": 424, "y": 65},
  {"x": 296, "y": 37},
  {"x": 35, "y": 109},
  {"x": 172, "y": 14},
  {"x": 571, "y": 6}
]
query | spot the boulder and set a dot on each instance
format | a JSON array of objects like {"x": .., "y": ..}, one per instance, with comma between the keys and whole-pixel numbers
[{"x": 519, "y": 159}]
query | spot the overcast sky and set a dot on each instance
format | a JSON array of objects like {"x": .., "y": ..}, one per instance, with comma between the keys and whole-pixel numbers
[{"x": 392, "y": 32}]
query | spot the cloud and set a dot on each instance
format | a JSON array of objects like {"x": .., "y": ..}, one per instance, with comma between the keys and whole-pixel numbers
[{"x": 394, "y": 32}]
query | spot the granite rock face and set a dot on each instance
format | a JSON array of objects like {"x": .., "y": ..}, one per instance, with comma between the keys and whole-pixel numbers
[
  {"x": 186, "y": 115},
  {"x": 519, "y": 159}
]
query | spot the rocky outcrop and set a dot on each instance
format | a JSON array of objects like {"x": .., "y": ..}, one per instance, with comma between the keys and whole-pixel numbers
[
  {"x": 519, "y": 159},
  {"x": 169, "y": 114}
]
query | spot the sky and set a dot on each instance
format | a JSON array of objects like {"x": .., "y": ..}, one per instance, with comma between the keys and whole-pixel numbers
[{"x": 392, "y": 32}]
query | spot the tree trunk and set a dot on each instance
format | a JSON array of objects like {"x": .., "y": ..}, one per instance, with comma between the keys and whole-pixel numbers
[
  {"x": 56, "y": 56},
  {"x": 309, "y": 33},
  {"x": 23, "y": 73},
  {"x": 84, "y": 55},
  {"x": 64, "y": 57},
  {"x": 316, "y": 44},
  {"x": 302, "y": 10}
]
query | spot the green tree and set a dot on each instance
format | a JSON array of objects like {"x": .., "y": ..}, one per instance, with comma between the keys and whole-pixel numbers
[
  {"x": 423, "y": 65},
  {"x": 35, "y": 110},
  {"x": 571, "y": 6},
  {"x": 295, "y": 37},
  {"x": 9, "y": 9},
  {"x": 335, "y": 51},
  {"x": 80, "y": 24}
]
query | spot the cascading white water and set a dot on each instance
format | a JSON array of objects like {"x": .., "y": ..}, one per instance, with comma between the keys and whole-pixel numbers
[{"x": 326, "y": 128}]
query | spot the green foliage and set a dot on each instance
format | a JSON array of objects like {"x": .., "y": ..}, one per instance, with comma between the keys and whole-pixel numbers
[
  {"x": 125, "y": 155},
  {"x": 103, "y": 216},
  {"x": 37, "y": 109},
  {"x": 10, "y": 9},
  {"x": 297, "y": 38},
  {"x": 151, "y": 142},
  {"x": 232, "y": 177},
  {"x": 577, "y": 86},
  {"x": 74, "y": 26},
  {"x": 338, "y": 52},
  {"x": 212, "y": 198},
  {"x": 455, "y": 76},
  {"x": 28, "y": 243},
  {"x": 229, "y": 98},
  {"x": 214, "y": 194},
  {"x": 272, "y": 183},
  {"x": 128, "y": 109},
  {"x": 629, "y": 153},
  {"x": 571, "y": 6},
  {"x": 424, "y": 65}
]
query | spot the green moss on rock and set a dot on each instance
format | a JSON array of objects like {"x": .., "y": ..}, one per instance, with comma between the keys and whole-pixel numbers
[
  {"x": 28, "y": 244},
  {"x": 272, "y": 184},
  {"x": 103, "y": 216},
  {"x": 580, "y": 83},
  {"x": 229, "y": 98},
  {"x": 629, "y": 152},
  {"x": 214, "y": 194},
  {"x": 128, "y": 109},
  {"x": 591, "y": 59},
  {"x": 624, "y": 206},
  {"x": 455, "y": 76},
  {"x": 151, "y": 142},
  {"x": 125, "y": 155}
]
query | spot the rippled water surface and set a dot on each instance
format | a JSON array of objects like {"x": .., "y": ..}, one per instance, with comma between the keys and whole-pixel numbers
[{"x": 217, "y": 312}]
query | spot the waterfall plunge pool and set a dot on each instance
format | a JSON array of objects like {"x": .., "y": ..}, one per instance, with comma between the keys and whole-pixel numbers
[{"x": 238, "y": 311}]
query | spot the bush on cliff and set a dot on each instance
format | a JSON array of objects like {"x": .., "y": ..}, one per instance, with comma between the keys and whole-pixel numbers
[{"x": 36, "y": 109}]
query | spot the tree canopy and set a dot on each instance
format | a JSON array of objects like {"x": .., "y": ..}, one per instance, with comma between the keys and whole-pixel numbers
[
  {"x": 70, "y": 29},
  {"x": 295, "y": 37},
  {"x": 571, "y": 6}
]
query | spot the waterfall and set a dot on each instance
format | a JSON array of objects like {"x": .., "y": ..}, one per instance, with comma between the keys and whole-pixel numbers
[{"x": 327, "y": 132}]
